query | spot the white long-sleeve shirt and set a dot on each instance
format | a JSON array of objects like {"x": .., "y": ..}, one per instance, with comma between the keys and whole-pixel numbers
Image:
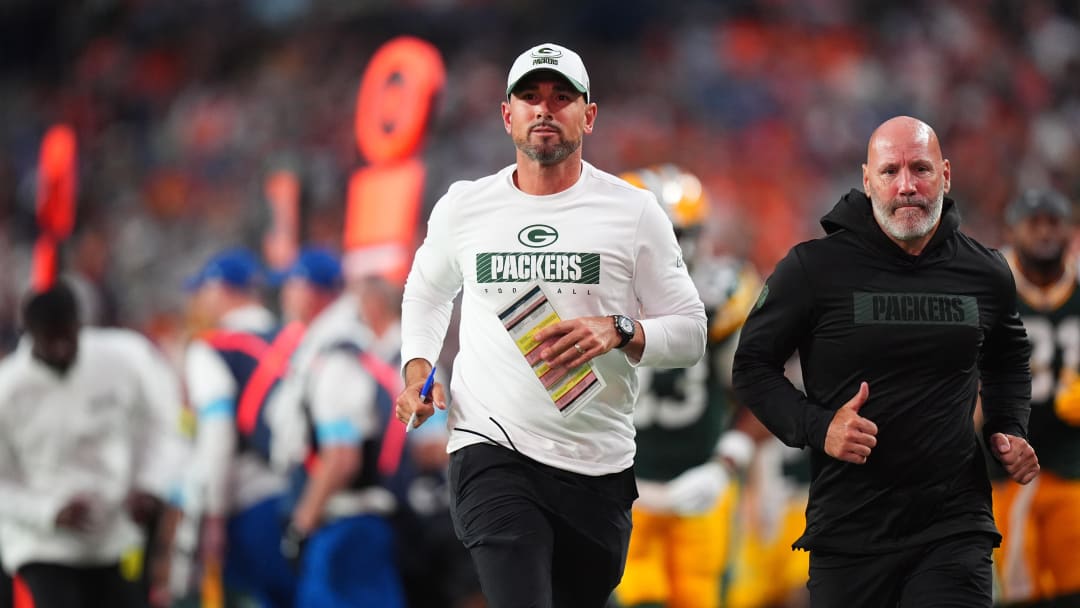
[
  {"x": 222, "y": 482},
  {"x": 601, "y": 247},
  {"x": 97, "y": 431}
]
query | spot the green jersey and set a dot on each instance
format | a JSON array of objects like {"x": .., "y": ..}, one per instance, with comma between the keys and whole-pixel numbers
[
  {"x": 681, "y": 413},
  {"x": 1052, "y": 319}
]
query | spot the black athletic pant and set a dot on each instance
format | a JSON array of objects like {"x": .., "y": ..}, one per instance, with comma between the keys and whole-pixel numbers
[
  {"x": 954, "y": 572},
  {"x": 7, "y": 590},
  {"x": 540, "y": 536},
  {"x": 1071, "y": 600},
  {"x": 55, "y": 586}
]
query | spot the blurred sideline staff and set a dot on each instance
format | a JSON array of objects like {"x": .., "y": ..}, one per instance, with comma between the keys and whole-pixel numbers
[
  {"x": 327, "y": 433},
  {"x": 87, "y": 455},
  {"x": 233, "y": 496},
  {"x": 356, "y": 506}
]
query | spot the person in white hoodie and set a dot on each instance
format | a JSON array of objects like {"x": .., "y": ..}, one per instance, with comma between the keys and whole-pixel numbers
[
  {"x": 78, "y": 472},
  {"x": 542, "y": 499}
]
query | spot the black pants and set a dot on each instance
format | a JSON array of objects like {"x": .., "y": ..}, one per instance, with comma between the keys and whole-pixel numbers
[
  {"x": 432, "y": 540},
  {"x": 55, "y": 586},
  {"x": 954, "y": 572},
  {"x": 7, "y": 590},
  {"x": 539, "y": 536},
  {"x": 1071, "y": 600}
]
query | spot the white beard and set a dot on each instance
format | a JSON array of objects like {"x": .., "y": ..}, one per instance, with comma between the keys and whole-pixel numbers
[{"x": 907, "y": 229}]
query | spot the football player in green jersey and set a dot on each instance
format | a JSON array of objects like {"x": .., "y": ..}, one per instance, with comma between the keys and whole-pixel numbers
[
  {"x": 686, "y": 448},
  {"x": 1037, "y": 563}
]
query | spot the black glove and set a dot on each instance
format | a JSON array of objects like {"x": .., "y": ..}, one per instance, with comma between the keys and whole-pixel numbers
[{"x": 292, "y": 545}]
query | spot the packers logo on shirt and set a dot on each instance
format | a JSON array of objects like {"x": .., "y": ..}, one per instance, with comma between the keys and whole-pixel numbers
[
  {"x": 915, "y": 308},
  {"x": 550, "y": 266},
  {"x": 537, "y": 236}
]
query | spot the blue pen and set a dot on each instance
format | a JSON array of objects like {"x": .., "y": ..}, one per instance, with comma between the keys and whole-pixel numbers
[{"x": 425, "y": 396}]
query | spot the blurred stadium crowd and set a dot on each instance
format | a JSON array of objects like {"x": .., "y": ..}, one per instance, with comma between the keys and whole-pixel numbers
[{"x": 183, "y": 108}]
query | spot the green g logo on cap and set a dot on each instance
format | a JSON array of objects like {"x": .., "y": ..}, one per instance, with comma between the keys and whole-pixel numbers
[
  {"x": 546, "y": 52},
  {"x": 538, "y": 235}
]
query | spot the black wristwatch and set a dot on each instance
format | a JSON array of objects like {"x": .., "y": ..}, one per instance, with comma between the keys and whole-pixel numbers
[{"x": 625, "y": 327}]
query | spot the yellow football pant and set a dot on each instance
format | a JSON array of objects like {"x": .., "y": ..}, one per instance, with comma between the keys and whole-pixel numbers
[
  {"x": 1039, "y": 557},
  {"x": 766, "y": 571},
  {"x": 677, "y": 560}
]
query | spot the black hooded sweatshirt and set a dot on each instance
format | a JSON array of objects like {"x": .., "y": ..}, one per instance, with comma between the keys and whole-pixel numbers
[{"x": 922, "y": 331}]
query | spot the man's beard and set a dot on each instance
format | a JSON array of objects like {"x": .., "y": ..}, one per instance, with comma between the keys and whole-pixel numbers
[
  {"x": 907, "y": 229},
  {"x": 547, "y": 153},
  {"x": 1045, "y": 264}
]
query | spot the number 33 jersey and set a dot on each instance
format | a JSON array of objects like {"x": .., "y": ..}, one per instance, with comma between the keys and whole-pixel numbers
[
  {"x": 680, "y": 413},
  {"x": 1052, "y": 319}
]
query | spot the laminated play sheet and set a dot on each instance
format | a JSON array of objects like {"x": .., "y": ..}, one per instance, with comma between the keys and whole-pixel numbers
[{"x": 570, "y": 390}]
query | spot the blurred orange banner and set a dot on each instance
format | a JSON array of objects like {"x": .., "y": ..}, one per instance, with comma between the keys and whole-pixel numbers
[{"x": 393, "y": 108}]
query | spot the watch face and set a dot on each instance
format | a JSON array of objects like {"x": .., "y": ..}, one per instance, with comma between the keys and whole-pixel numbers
[{"x": 626, "y": 325}]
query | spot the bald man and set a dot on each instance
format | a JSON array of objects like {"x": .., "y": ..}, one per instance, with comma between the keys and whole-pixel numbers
[{"x": 898, "y": 318}]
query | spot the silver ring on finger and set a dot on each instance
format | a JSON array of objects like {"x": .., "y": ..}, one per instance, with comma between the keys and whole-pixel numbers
[{"x": 580, "y": 350}]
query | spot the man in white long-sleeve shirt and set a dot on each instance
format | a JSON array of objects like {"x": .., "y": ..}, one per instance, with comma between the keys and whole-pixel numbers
[
  {"x": 542, "y": 500},
  {"x": 76, "y": 467}
]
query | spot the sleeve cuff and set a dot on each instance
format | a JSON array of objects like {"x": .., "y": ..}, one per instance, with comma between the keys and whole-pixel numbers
[
  {"x": 668, "y": 341},
  {"x": 817, "y": 425},
  {"x": 408, "y": 354},
  {"x": 651, "y": 330},
  {"x": 338, "y": 432},
  {"x": 1014, "y": 429}
]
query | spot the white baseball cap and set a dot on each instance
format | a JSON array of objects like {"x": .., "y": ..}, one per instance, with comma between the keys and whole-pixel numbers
[{"x": 549, "y": 56}]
